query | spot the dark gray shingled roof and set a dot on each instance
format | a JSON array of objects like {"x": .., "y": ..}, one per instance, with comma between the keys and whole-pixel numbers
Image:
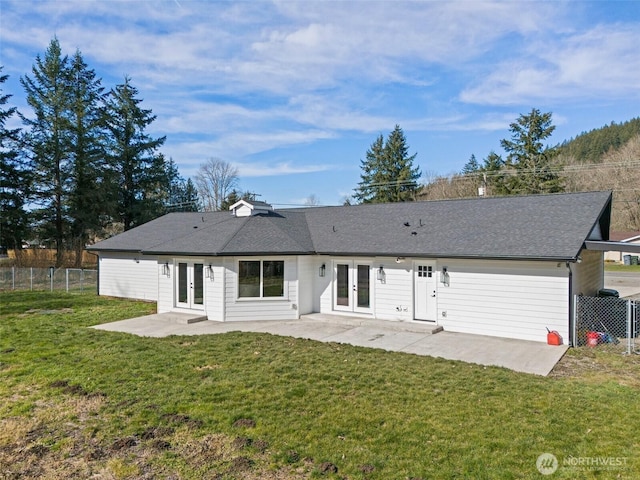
[{"x": 552, "y": 227}]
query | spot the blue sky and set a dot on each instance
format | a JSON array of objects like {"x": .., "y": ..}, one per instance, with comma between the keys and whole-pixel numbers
[{"x": 294, "y": 93}]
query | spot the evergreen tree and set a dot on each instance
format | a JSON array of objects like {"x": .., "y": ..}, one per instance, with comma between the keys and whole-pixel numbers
[
  {"x": 48, "y": 142},
  {"x": 90, "y": 202},
  {"x": 138, "y": 172},
  {"x": 182, "y": 195},
  {"x": 472, "y": 166},
  {"x": 190, "y": 197},
  {"x": 14, "y": 180},
  {"x": 373, "y": 176},
  {"x": 493, "y": 174},
  {"x": 530, "y": 158},
  {"x": 235, "y": 196},
  {"x": 388, "y": 174}
]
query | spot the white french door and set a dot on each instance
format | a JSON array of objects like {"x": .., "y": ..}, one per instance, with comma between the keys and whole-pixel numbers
[
  {"x": 352, "y": 286},
  {"x": 190, "y": 285},
  {"x": 425, "y": 289}
]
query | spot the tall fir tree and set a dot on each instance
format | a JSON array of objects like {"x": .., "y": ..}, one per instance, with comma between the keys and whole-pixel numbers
[
  {"x": 530, "y": 158},
  {"x": 388, "y": 174},
  {"x": 182, "y": 195},
  {"x": 472, "y": 166},
  {"x": 48, "y": 143},
  {"x": 90, "y": 202},
  {"x": 373, "y": 174},
  {"x": 14, "y": 179},
  {"x": 493, "y": 175},
  {"x": 137, "y": 169}
]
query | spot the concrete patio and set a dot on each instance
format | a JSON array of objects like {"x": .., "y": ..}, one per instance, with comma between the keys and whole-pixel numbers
[{"x": 408, "y": 337}]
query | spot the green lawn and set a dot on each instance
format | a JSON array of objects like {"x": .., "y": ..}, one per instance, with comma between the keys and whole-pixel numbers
[
  {"x": 77, "y": 402},
  {"x": 616, "y": 267}
]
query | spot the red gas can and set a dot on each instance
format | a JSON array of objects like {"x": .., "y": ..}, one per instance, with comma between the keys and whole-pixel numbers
[{"x": 554, "y": 338}]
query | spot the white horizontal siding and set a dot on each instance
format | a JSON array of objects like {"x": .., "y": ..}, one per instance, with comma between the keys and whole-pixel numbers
[
  {"x": 243, "y": 309},
  {"x": 165, "y": 285},
  {"x": 504, "y": 298},
  {"x": 214, "y": 291},
  {"x": 308, "y": 268},
  {"x": 128, "y": 275},
  {"x": 393, "y": 297}
]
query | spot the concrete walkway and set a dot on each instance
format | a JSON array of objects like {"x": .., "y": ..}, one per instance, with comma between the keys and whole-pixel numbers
[{"x": 519, "y": 355}]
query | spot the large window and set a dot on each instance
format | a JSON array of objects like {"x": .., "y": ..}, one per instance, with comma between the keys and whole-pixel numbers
[{"x": 260, "y": 278}]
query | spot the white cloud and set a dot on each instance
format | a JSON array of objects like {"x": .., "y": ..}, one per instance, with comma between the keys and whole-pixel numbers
[
  {"x": 282, "y": 168},
  {"x": 233, "y": 80},
  {"x": 603, "y": 61}
]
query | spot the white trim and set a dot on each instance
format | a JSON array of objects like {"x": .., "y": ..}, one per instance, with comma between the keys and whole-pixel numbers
[
  {"x": 352, "y": 279},
  {"x": 261, "y": 260},
  {"x": 190, "y": 305},
  {"x": 425, "y": 308}
]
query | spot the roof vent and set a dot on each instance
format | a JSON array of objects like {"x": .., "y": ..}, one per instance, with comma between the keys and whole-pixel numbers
[{"x": 247, "y": 208}]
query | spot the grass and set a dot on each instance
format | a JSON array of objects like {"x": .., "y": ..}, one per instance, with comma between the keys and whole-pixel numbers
[
  {"x": 616, "y": 267},
  {"x": 77, "y": 402}
]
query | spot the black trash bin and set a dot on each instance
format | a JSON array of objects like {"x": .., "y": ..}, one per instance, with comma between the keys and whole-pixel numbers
[{"x": 608, "y": 292}]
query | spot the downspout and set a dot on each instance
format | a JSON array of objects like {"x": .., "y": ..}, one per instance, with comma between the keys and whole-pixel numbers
[{"x": 572, "y": 317}]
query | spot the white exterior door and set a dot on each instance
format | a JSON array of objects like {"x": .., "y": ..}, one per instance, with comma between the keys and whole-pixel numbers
[
  {"x": 352, "y": 286},
  {"x": 190, "y": 285},
  {"x": 425, "y": 290}
]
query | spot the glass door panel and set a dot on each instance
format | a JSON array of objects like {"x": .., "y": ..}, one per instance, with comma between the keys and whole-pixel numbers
[
  {"x": 198, "y": 285},
  {"x": 183, "y": 283},
  {"x": 190, "y": 285},
  {"x": 343, "y": 287},
  {"x": 363, "y": 286}
]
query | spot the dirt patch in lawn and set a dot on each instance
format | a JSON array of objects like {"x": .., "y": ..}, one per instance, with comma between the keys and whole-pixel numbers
[
  {"x": 599, "y": 366},
  {"x": 58, "y": 440}
]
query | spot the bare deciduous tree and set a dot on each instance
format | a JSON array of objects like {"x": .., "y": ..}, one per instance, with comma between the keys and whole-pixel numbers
[
  {"x": 618, "y": 171},
  {"x": 312, "y": 201},
  {"x": 215, "y": 180}
]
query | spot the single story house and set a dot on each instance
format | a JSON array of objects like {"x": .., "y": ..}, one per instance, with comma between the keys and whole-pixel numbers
[
  {"x": 631, "y": 238},
  {"x": 501, "y": 266}
]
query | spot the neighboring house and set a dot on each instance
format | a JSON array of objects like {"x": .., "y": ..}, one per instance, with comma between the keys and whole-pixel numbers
[
  {"x": 631, "y": 238},
  {"x": 503, "y": 266}
]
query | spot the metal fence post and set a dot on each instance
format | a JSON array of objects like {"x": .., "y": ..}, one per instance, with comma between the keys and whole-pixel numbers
[
  {"x": 31, "y": 278},
  {"x": 574, "y": 314},
  {"x": 13, "y": 278},
  {"x": 66, "y": 273},
  {"x": 629, "y": 328}
]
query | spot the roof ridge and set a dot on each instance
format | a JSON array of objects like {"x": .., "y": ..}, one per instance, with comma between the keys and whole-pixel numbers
[
  {"x": 295, "y": 239},
  {"x": 243, "y": 221},
  {"x": 446, "y": 200},
  {"x": 209, "y": 226}
]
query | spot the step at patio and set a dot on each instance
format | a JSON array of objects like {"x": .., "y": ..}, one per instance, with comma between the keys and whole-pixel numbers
[{"x": 183, "y": 318}]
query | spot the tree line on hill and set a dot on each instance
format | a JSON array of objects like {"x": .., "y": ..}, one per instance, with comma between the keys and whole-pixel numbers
[
  {"x": 602, "y": 159},
  {"x": 388, "y": 173}
]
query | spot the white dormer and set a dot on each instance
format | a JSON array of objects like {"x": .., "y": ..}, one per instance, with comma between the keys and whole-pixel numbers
[{"x": 246, "y": 208}]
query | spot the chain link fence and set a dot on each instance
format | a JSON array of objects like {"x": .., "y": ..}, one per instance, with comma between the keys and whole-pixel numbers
[
  {"x": 67, "y": 279},
  {"x": 609, "y": 323}
]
